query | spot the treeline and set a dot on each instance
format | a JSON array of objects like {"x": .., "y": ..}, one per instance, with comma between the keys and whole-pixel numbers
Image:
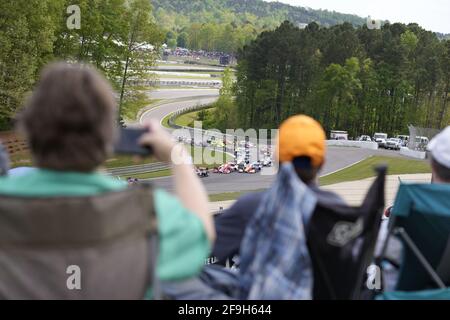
[
  {"x": 226, "y": 25},
  {"x": 114, "y": 36},
  {"x": 348, "y": 78}
]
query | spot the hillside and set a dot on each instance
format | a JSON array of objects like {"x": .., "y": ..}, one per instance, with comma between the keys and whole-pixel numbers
[
  {"x": 261, "y": 9},
  {"x": 227, "y": 25}
]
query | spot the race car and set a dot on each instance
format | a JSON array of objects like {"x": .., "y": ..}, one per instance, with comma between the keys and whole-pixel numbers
[
  {"x": 241, "y": 167},
  {"x": 202, "y": 172},
  {"x": 233, "y": 166},
  {"x": 224, "y": 169},
  {"x": 257, "y": 166},
  {"x": 267, "y": 162},
  {"x": 249, "y": 169}
]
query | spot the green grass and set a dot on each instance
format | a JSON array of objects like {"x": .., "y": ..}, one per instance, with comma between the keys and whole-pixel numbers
[
  {"x": 126, "y": 161},
  {"x": 150, "y": 175},
  {"x": 228, "y": 196},
  {"x": 131, "y": 108},
  {"x": 23, "y": 159},
  {"x": 220, "y": 155},
  {"x": 365, "y": 169},
  {"x": 119, "y": 161},
  {"x": 184, "y": 120},
  {"x": 359, "y": 171},
  {"x": 187, "y": 119},
  {"x": 165, "y": 121}
]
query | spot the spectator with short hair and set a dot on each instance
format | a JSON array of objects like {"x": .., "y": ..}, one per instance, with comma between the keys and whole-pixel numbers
[{"x": 66, "y": 213}]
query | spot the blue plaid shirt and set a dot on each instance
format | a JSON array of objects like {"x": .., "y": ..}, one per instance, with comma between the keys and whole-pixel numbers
[{"x": 275, "y": 262}]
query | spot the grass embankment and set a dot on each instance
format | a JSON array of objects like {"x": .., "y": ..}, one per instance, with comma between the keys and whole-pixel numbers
[
  {"x": 23, "y": 159},
  {"x": 365, "y": 169},
  {"x": 184, "y": 120},
  {"x": 187, "y": 119},
  {"x": 150, "y": 175},
  {"x": 229, "y": 195},
  {"x": 131, "y": 107},
  {"x": 165, "y": 121}
]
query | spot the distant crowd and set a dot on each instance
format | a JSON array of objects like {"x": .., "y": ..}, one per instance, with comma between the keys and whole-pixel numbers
[{"x": 182, "y": 52}]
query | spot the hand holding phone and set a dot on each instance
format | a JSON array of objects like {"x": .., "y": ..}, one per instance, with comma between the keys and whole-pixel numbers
[
  {"x": 160, "y": 140},
  {"x": 129, "y": 142}
]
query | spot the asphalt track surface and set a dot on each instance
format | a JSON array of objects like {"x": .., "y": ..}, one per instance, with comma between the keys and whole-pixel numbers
[
  {"x": 193, "y": 97},
  {"x": 337, "y": 157}
]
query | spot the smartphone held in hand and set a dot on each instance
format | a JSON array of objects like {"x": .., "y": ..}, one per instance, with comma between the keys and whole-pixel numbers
[{"x": 128, "y": 142}]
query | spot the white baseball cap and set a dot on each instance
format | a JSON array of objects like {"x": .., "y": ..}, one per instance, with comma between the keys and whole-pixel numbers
[{"x": 439, "y": 147}]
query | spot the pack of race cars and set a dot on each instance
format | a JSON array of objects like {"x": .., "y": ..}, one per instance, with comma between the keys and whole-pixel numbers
[
  {"x": 242, "y": 155},
  {"x": 239, "y": 167}
]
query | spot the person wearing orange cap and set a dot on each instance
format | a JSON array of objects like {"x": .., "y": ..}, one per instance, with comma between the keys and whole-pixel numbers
[{"x": 301, "y": 141}]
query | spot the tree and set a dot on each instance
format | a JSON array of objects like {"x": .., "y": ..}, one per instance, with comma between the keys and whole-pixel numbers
[
  {"x": 142, "y": 41},
  {"x": 182, "y": 40},
  {"x": 348, "y": 78},
  {"x": 26, "y": 38}
]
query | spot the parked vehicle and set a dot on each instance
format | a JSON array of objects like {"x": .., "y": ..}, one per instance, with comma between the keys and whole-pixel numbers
[
  {"x": 339, "y": 135},
  {"x": 365, "y": 138},
  {"x": 422, "y": 143},
  {"x": 404, "y": 138},
  {"x": 380, "y": 138},
  {"x": 393, "y": 143}
]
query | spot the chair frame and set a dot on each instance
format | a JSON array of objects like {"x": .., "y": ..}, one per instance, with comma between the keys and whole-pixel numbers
[{"x": 401, "y": 232}]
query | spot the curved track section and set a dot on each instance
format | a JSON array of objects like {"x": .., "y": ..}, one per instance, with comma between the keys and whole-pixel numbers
[{"x": 337, "y": 157}]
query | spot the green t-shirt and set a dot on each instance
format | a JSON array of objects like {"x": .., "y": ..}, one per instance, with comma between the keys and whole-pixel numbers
[{"x": 183, "y": 242}]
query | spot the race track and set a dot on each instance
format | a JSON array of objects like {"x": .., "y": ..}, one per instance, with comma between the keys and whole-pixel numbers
[
  {"x": 337, "y": 157},
  {"x": 193, "y": 98}
]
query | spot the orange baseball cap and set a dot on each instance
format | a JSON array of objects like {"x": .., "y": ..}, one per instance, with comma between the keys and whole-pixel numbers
[{"x": 301, "y": 136}]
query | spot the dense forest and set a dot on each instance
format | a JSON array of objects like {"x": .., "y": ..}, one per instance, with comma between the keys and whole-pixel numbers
[
  {"x": 348, "y": 78},
  {"x": 111, "y": 37},
  {"x": 226, "y": 25}
]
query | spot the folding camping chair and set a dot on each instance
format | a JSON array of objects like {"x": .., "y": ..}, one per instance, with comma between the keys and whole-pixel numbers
[
  {"x": 421, "y": 220},
  {"x": 341, "y": 243}
]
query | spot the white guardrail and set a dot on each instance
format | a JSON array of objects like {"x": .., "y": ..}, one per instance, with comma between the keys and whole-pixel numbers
[
  {"x": 413, "y": 153},
  {"x": 355, "y": 144}
]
